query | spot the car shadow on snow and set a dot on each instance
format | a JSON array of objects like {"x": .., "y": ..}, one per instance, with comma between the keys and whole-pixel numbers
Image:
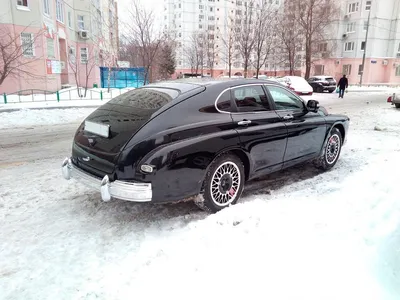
[{"x": 185, "y": 212}]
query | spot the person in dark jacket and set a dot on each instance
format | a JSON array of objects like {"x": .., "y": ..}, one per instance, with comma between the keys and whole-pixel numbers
[{"x": 342, "y": 84}]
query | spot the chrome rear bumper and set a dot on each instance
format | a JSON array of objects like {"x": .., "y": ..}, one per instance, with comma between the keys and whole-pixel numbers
[{"x": 129, "y": 191}]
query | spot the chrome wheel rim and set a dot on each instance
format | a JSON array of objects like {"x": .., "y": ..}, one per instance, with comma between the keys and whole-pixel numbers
[
  {"x": 225, "y": 184},
  {"x": 332, "y": 149}
]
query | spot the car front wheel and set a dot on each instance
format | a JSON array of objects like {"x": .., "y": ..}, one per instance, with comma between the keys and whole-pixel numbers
[
  {"x": 331, "y": 151},
  {"x": 223, "y": 184}
]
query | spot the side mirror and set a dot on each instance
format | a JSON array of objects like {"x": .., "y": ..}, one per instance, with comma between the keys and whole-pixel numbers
[{"x": 313, "y": 105}]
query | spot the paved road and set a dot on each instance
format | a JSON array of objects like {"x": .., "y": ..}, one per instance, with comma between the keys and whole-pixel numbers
[{"x": 22, "y": 145}]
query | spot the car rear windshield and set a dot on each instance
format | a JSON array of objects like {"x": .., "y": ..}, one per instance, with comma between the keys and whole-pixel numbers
[
  {"x": 146, "y": 98},
  {"x": 329, "y": 78}
]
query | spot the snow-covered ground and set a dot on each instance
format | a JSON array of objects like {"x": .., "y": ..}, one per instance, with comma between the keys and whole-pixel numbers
[
  {"x": 27, "y": 117},
  {"x": 298, "y": 234}
]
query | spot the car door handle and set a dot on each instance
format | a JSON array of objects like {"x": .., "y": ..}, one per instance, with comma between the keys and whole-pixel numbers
[
  {"x": 244, "y": 122},
  {"x": 288, "y": 117}
]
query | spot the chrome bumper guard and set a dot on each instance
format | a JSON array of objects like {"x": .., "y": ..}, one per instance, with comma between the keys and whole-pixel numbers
[{"x": 128, "y": 191}]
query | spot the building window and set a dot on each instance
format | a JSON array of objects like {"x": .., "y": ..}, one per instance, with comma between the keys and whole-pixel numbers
[
  {"x": 201, "y": 17},
  {"x": 351, "y": 27},
  {"x": 347, "y": 69},
  {"x": 353, "y": 7},
  {"x": 323, "y": 47},
  {"x": 319, "y": 69},
  {"x": 211, "y": 27},
  {"x": 398, "y": 71},
  {"x": 22, "y": 3},
  {"x": 201, "y": 6},
  {"x": 179, "y": 5},
  {"x": 50, "y": 48},
  {"x": 362, "y": 46},
  {"x": 365, "y": 25},
  {"x": 70, "y": 19},
  {"x": 84, "y": 55},
  {"x": 81, "y": 23},
  {"x": 72, "y": 55},
  {"x": 368, "y": 5},
  {"x": 349, "y": 46},
  {"x": 60, "y": 10},
  {"x": 27, "y": 44},
  {"x": 46, "y": 7},
  {"x": 360, "y": 69},
  {"x": 211, "y": 18}
]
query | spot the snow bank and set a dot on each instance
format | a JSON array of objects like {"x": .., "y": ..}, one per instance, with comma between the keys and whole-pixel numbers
[{"x": 27, "y": 117}]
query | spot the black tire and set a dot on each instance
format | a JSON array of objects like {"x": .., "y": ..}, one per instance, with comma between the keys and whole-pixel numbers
[
  {"x": 330, "y": 153},
  {"x": 397, "y": 105},
  {"x": 223, "y": 164}
]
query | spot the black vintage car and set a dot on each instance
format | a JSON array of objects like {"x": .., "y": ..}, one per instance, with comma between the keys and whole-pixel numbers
[{"x": 200, "y": 140}]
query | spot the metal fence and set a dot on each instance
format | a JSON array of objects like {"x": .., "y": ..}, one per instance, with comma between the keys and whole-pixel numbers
[
  {"x": 122, "y": 77},
  {"x": 35, "y": 95}
]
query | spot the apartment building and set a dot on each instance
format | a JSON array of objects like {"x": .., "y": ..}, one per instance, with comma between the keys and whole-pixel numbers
[
  {"x": 62, "y": 41},
  {"x": 382, "y": 56},
  {"x": 185, "y": 18}
]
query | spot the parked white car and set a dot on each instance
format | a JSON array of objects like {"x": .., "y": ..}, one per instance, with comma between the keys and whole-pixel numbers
[{"x": 298, "y": 84}]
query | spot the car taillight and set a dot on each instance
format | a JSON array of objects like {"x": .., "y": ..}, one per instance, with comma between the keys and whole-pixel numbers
[
  {"x": 290, "y": 87},
  {"x": 389, "y": 99}
]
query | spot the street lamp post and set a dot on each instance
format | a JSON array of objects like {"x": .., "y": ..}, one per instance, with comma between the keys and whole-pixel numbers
[{"x": 365, "y": 49}]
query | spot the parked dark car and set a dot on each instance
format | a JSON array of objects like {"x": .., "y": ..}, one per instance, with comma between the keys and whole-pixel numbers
[
  {"x": 321, "y": 84},
  {"x": 200, "y": 140}
]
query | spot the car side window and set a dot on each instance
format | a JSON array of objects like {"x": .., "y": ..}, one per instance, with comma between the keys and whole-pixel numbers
[
  {"x": 250, "y": 99},
  {"x": 224, "y": 102},
  {"x": 284, "y": 100}
]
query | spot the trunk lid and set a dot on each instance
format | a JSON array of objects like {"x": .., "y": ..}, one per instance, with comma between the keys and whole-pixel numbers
[{"x": 124, "y": 115}]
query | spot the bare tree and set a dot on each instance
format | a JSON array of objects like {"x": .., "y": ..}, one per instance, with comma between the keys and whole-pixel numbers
[
  {"x": 228, "y": 41},
  {"x": 314, "y": 18},
  {"x": 107, "y": 40},
  {"x": 290, "y": 39},
  {"x": 211, "y": 48},
  {"x": 83, "y": 67},
  {"x": 245, "y": 30},
  {"x": 17, "y": 52},
  {"x": 263, "y": 36},
  {"x": 142, "y": 34},
  {"x": 196, "y": 52}
]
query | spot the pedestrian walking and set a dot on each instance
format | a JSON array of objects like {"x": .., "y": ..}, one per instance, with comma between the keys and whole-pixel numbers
[{"x": 342, "y": 84}]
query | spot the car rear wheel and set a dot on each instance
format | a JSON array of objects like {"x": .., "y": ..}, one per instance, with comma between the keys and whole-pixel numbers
[
  {"x": 223, "y": 184},
  {"x": 331, "y": 151}
]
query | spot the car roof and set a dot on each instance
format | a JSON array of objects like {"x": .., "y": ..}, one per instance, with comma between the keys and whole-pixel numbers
[{"x": 188, "y": 84}]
